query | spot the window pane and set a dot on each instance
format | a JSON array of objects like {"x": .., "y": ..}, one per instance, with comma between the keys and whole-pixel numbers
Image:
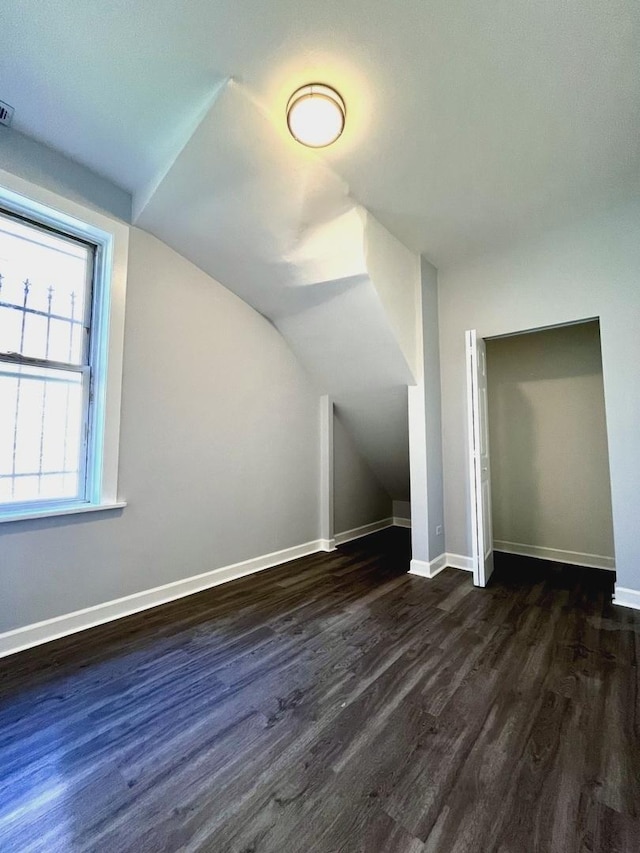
[
  {"x": 44, "y": 293},
  {"x": 41, "y": 428}
]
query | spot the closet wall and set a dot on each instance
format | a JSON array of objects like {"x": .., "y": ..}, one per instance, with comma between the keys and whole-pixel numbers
[{"x": 548, "y": 436}]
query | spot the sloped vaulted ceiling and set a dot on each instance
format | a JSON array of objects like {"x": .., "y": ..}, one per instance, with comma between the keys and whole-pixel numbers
[{"x": 469, "y": 125}]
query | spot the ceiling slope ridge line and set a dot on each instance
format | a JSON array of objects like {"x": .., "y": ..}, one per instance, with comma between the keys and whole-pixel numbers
[
  {"x": 331, "y": 250},
  {"x": 395, "y": 274},
  {"x": 391, "y": 269},
  {"x": 143, "y": 195}
]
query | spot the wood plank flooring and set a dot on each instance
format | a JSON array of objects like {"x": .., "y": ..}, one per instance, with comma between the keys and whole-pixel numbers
[{"x": 335, "y": 704}]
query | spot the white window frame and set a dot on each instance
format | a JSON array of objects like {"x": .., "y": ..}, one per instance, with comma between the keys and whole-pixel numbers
[{"x": 111, "y": 238}]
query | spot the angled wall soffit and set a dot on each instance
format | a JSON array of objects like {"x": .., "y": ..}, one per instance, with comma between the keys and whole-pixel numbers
[{"x": 270, "y": 221}]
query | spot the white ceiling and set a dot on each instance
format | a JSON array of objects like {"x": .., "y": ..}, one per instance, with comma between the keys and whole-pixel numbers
[{"x": 469, "y": 123}]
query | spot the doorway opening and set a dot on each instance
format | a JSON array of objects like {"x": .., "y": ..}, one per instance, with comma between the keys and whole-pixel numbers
[{"x": 539, "y": 473}]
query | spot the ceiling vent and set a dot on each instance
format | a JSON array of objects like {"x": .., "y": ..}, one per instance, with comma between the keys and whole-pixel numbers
[{"x": 6, "y": 113}]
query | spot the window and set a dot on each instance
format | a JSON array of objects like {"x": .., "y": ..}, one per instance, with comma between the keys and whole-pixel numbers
[
  {"x": 60, "y": 360},
  {"x": 46, "y": 282}
]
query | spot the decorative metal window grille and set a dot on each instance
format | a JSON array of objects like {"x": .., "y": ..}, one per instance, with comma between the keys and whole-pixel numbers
[{"x": 45, "y": 367}]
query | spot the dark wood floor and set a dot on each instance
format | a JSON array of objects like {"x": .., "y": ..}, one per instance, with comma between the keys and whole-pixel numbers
[{"x": 335, "y": 704}]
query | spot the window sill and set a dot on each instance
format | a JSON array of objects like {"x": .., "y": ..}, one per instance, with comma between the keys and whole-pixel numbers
[{"x": 49, "y": 512}]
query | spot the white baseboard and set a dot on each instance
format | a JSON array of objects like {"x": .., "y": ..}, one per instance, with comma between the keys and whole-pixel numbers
[
  {"x": 428, "y": 570},
  {"x": 365, "y": 530},
  {"x": 420, "y": 568},
  {"x": 438, "y": 564},
  {"x": 460, "y": 561},
  {"x": 327, "y": 544},
  {"x": 444, "y": 561},
  {"x": 625, "y": 597},
  {"x": 573, "y": 558},
  {"x": 61, "y": 626}
]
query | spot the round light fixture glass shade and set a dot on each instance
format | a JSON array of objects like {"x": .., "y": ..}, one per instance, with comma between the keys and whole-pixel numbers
[{"x": 315, "y": 115}]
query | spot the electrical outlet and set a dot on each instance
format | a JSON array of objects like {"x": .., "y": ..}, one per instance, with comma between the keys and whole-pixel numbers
[
  {"x": 6, "y": 113},
  {"x": 439, "y": 530}
]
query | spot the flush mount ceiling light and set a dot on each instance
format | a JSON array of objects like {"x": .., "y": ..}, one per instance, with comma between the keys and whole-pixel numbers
[{"x": 315, "y": 115}]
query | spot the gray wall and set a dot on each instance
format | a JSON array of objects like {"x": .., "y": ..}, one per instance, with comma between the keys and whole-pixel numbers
[
  {"x": 41, "y": 165},
  {"x": 589, "y": 270},
  {"x": 402, "y": 509},
  {"x": 425, "y": 432},
  {"x": 433, "y": 408},
  {"x": 548, "y": 434},
  {"x": 358, "y": 495},
  {"x": 219, "y": 454}
]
